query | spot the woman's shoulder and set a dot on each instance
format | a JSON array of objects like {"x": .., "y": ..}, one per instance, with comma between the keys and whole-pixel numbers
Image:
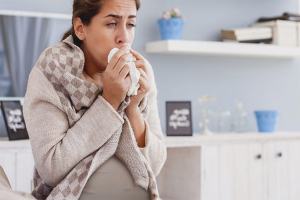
[
  {"x": 43, "y": 77},
  {"x": 40, "y": 89},
  {"x": 64, "y": 54},
  {"x": 54, "y": 61}
]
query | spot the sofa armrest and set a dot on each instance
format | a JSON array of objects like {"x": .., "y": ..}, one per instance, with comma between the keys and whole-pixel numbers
[{"x": 4, "y": 183}]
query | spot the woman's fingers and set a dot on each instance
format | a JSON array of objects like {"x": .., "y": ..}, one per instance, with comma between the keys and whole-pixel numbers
[
  {"x": 115, "y": 58},
  {"x": 141, "y": 64},
  {"x": 143, "y": 74},
  {"x": 125, "y": 71},
  {"x": 127, "y": 82},
  {"x": 122, "y": 62},
  {"x": 137, "y": 55},
  {"x": 145, "y": 86}
]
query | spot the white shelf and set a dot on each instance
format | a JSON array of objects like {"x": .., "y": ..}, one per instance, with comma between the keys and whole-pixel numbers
[
  {"x": 197, "y": 139},
  {"x": 190, "y": 47},
  {"x": 35, "y": 14}
]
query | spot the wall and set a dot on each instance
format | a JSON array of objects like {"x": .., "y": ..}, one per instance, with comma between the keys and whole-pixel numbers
[
  {"x": 54, "y": 6},
  {"x": 259, "y": 83}
]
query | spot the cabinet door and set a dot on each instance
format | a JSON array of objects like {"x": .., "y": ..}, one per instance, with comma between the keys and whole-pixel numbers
[
  {"x": 241, "y": 171},
  {"x": 233, "y": 171},
  {"x": 8, "y": 163},
  {"x": 277, "y": 170},
  {"x": 248, "y": 172},
  {"x": 294, "y": 169},
  {"x": 210, "y": 172},
  {"x": 226, "y": 171},
  {"x": 24, "y": 171},
  {"x": 257, "y": 178}
]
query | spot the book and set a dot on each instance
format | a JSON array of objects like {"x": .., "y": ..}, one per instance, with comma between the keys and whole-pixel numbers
[
  {"x": 248, "y": 30},
  {"x": 247, "y": 37},
  {"x": 286, "y": 16},
  {"x": 247, "y": 34},
  {"x": 275, "y": 23},
  {"x": 263, "y": 41}
]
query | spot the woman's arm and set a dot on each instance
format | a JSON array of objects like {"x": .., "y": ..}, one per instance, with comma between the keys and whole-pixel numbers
[
  {"x": 155, "y": 150},
  {"x": 56, "y": 147},
  {"x": 137, "y": 124},
  {"x": 148, "y": 131}
]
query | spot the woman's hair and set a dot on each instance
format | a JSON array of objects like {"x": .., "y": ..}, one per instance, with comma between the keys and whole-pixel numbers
[{"x": 86, "y": 10}]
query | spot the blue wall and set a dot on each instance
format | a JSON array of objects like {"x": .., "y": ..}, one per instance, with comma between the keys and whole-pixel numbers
[{"x": 259, "y": 83}]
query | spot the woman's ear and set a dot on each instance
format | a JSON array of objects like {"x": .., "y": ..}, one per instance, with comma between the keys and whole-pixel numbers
[{"x": 79, "y": 28}]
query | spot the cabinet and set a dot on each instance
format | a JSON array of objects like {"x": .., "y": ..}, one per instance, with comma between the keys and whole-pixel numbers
[
  {"x": 242, "y": 167},
  {"x": 252, "y": 171},
  {"x": 17, "y": 161},
  {"x": 250, "y": 166}
]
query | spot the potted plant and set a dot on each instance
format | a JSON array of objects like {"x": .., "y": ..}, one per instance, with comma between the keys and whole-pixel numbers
[{"x": 171, "y": 24}]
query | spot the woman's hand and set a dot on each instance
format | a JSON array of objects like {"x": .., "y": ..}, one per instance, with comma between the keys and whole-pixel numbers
[
  {"x": 132, "y": 110},
  {"x": 116, "y": 80},
  {"x": 144, "y": 68}
]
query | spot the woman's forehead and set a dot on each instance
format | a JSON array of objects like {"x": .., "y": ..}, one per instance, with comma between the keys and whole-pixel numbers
[{"x": 122, "y": 8}]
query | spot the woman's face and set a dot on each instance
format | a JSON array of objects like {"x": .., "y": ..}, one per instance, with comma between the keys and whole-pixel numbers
[{"x": 112, "y": 27}]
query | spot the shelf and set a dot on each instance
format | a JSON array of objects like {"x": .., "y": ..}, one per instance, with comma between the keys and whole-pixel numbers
[
  {"x": 189, "y": 47},
  {"x": 35, "y": 14},
  {"x": 197, "y": 139}
]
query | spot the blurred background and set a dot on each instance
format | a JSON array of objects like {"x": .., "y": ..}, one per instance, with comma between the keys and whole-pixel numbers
[
  {"x": 231, "y": 58},
  {"x": 259, "y": 83}
]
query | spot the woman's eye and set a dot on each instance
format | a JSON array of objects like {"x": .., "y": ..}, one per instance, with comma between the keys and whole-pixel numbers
[
  {"x": 132, "y": 25},
  {"x": 112, "y": 24}
]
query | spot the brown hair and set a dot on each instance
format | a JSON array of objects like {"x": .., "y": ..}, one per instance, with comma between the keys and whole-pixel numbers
[{"x": 86, "y": 10}]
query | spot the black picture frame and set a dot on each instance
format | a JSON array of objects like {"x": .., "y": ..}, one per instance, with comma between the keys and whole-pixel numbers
[
  {"x": 183, "y": 111},
  {"x": 14, "y": 120}
]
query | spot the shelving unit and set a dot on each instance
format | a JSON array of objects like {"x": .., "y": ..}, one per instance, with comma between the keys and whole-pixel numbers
[
  {"x": 190, "y": 47},
  {"x": 35, "y": 14}
]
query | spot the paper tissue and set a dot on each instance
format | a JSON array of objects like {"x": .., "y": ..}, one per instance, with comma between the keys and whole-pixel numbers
[{"x": 134, "y": 73}]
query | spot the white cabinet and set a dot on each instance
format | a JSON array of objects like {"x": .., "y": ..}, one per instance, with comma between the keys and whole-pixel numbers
[
  {"x": 283, "y": 166},
  {"x": 248, "y": 166},
  {"x": 8, "y": 163},
  {"x": 242, "y": 167},
  {"x": 294, "y": 170},
  {"x": 17, "y": 161}
]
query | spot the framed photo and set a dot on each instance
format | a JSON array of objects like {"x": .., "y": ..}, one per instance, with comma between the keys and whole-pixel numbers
[
  {"x": 179, "y": 118},
  {"x": 14, "y": 120}
]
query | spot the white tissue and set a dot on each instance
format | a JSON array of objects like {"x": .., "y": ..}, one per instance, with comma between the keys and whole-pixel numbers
[{"x": 134, "y": 73}]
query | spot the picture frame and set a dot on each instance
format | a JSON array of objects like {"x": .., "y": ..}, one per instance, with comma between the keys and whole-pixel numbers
[
  {"x": 12, "y": 111},
  {"x": 179, "y": 118}
]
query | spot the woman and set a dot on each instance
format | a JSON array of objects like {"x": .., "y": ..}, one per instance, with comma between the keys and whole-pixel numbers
[{"x": 89, "y": 139}]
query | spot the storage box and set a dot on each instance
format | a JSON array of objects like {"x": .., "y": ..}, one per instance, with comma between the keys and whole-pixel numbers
[{"x": 284, "y": 32}]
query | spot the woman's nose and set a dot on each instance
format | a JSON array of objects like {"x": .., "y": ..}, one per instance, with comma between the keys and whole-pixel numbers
[{"x": 123, "y": 35}]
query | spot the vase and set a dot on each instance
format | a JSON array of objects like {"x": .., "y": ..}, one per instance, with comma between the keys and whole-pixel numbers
[
  {"x": 267, "y": 120},
  {"x": 171, "y": 29}
]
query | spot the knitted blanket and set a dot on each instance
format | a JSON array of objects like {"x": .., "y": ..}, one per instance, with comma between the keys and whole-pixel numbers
[{"x": 62, "y": 64}]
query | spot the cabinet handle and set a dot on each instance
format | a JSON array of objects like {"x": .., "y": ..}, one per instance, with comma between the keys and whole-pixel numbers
[
  {"x": 258, "y": 156},
  {"x": 279, "y": 154}
]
